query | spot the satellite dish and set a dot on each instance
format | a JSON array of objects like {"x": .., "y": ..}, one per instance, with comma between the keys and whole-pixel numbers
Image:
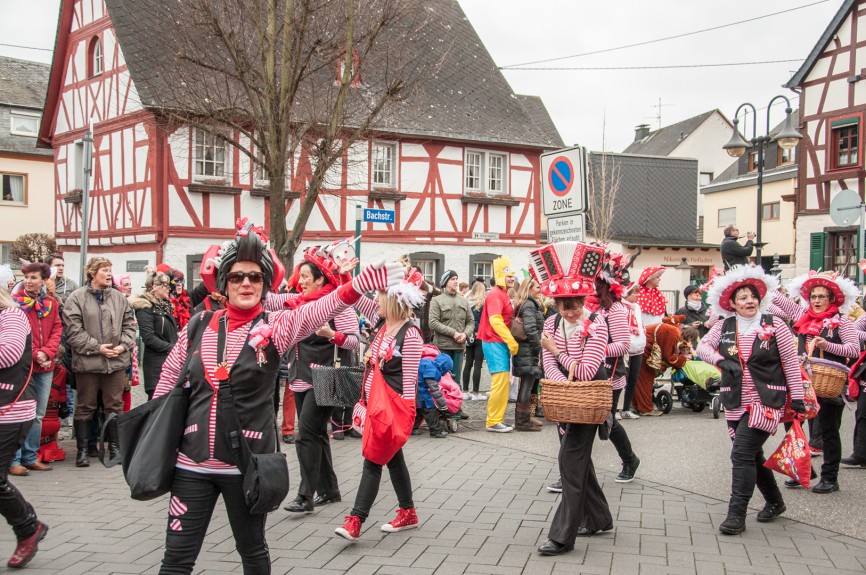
[{"x": 845, "y": 208}]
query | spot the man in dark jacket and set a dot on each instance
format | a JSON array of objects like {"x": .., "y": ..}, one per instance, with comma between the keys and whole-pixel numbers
[
  {"x": 695, "y": 310},
  {"x": 733, "y": 254}
]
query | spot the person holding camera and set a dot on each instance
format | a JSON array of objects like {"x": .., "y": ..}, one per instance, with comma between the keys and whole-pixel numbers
[{"x": 733, "y": 254}]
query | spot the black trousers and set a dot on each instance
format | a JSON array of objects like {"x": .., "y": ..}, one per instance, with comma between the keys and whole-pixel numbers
[
  {"x": 341, "y": 419},
  {"x": 747, "y": 468},
  {"x": 193, "y": 498},
  {"x": 17, "y": 511},
  {"x": 634, "y": 362},
  {"x": 829, "y": 421},
  {"x": 371, "y": 477},
  {"x": 526, "y": 388},
  {"x": 314, "y": 447},
  {"x": 431, "y": 416},
  {"x": 860, "y": 428},
  {"x": 472, "y": 366},
  {"x": 618, "y": 436},
  {"x": 583, "y": 503}
]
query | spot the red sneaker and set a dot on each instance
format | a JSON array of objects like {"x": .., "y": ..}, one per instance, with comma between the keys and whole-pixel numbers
[
  {"x": 816, "y": 452},
  {"x": 26, "y": 549},
  {"x": 351, "y": 529},
  {"x": 406, "y": 519}
]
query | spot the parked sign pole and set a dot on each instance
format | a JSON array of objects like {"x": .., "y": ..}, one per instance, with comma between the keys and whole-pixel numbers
[
  {"x": 359, "y": 215},
  {"x": 85, "y": 201}
]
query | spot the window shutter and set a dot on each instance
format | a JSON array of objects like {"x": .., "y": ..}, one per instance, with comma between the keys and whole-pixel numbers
[{"x": 816, "y": 251}]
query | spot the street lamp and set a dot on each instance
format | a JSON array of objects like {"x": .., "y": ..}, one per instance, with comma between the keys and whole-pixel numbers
[{"x": 787, "y": 139}]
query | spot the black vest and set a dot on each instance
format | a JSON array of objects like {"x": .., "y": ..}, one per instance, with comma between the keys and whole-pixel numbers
[
  {"x": 392, "y": 369},
  {"x": 603, "y": 371},
  {"x": 318, "y": 350},
  {"x": 610, "y": 362},
  {"x": 835, "y": 338},
  {"x": 253, "y": 390},
  {"x": 764, "y": 364},
  {"x": 16, "y": 376}
]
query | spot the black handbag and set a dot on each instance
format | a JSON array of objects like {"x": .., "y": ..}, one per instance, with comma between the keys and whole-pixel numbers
[
  {"x": 337, "y": 386},
  {"x": 266, "y": 475}
]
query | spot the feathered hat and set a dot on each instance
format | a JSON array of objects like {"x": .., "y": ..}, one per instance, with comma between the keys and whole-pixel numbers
[
  {"x": 723, "y": 288},
  {"x": 408, "y": 292},
  {"x": 614, "y": 271},
  {"x": 844, "y": 290},
  {"x": 249, "y": 245},
  {"x": 566, "y": 269}
]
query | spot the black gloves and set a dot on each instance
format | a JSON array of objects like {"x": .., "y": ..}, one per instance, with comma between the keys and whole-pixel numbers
[{"x": 798, "y": 406}]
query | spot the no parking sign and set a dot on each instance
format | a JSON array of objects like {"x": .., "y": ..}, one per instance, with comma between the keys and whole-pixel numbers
[{"x": 563, "y": 181}]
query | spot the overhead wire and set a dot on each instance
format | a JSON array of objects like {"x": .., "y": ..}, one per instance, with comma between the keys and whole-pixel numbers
[{"x": 658, "y": 67}]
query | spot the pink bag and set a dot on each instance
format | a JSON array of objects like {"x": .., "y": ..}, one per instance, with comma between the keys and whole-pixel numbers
[{"x": 451, "y": 391}]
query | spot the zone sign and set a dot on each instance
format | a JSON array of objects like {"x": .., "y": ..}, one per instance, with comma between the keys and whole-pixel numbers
[{"x": 563, "y": 181}]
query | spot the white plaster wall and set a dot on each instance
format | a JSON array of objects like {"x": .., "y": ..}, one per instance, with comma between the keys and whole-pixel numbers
[
  {"x": 72, "y": 259},
  {"x": 807, "y": 225}
]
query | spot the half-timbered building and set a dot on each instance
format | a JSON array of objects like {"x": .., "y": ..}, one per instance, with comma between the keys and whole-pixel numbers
[
  {"x": 462, "y": 177},
  {"x": 831, "y": 84}
]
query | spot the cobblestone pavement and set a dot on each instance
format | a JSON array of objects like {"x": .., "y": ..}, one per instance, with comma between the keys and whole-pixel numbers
[{"x": 483, "y": 509}]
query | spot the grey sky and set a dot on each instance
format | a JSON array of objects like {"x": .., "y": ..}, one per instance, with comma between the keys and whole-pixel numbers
[{"x": 590, "y": 107}]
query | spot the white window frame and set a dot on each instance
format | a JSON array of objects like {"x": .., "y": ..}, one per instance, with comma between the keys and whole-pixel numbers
[
  {"x": 484, "y": 266},
  {"x": 20, "y": 114},
  {"x": 490, "y": 174},
  {"x": 393, "y": 170},
  {"x": 23, "y": 200},
  {"x": 198, "y": 133},
  {"x": 98, "y": 59},
  {"x": 260, "y": 179},
  {"x": 727, "y": 222},
  {"x": 427, "y": 268}
]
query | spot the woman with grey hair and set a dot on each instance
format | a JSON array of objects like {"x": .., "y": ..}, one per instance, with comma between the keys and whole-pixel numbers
[{"x": 156, "y": 326}]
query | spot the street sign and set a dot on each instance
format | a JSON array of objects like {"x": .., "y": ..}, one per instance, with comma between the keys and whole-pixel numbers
[
  {"x": 378, "y": 216},
  {"x": 570, "y": 228},
  {"x": 563, "y": 182},
  {"x": 845, "y": 208},
  {"x": 485, "y": 236}
]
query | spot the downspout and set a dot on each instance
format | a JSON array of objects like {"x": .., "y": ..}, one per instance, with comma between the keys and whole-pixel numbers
[{"x": 160, "y": 190}]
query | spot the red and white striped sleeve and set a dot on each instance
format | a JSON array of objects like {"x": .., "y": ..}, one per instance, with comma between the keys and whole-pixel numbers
[
  {"x": 594, "y": 351},
  {"x": 708, "y": 348},
  {"x": 787, "y": 345},
  {"x": 850, "y": 346},
  {"x": 277, "y": 301},
  {"x": 14, "y": 329},
  {"x": 617, "y": 325},
  {"x": 369, "y": 308},
  {"x": 288, "y": 327},
  {"x": 860, "y": 326},
  {"x": 172, "y": 365},
  {"x": 785, "y": 308},
  {"x": 346, "y": 328},
  {"x": 413, "y": 344},
  {"x": 548, "y": 361}
]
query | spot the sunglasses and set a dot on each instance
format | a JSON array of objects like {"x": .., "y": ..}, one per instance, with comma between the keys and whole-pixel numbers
[{"x": 236, "y": 278}]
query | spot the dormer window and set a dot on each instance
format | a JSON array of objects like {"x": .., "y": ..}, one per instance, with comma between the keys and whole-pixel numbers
[
  {"x": 94, "y": 60},
  {"x": 354, "y": 73}
]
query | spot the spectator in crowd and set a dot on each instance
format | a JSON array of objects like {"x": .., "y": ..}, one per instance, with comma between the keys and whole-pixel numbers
[
  {"x": 498, "y": 343},
  {"x": 733, "y": 254},
  {"x": 156, "y": 325},
  {"x": 451, "y": 322},
  {"x": 695, "y": 310},
  {"x": 526, "y": 364},
  {"x": 123, "y": 283},
  {"x": 422, "y": 312},
  {"x": 652, "y": 301},
  {"x": 63, "y": 286},
  {"x": 17, "y": 410},
  {"x": 637, "y": 342},
  {"x": 43, "y": 313},
  {"x": 474, "y": 353},
  {"x": 198, "y": 295},
  {"x": 100, "y": 329},
  {"x": 179, "y": 298},
  {"x": 462, "y": 288}
]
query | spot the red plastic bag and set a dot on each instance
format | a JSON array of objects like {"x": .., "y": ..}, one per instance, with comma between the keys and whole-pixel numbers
[
  {"x": 388, "y": 423},
  {"x": 810, "y": 400},
  {"x": 793, "y": 456}
]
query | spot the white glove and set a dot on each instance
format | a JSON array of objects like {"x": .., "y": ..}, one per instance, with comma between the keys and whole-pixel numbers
[{"x": 379, "y": 276}]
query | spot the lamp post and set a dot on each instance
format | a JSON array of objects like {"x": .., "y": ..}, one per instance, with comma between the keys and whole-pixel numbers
[
  {"x": 85, "y": 201},
  {"x": 787, "y": 138}
]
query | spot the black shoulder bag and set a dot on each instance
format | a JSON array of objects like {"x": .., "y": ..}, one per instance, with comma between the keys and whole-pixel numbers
[{"x": 266, "y": 475}]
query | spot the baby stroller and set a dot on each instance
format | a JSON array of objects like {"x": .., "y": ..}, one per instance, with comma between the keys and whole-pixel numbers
[
  {"x": 454, "y": 401},
  {"x": 694, "y": 395},
  {"x": 446, "y": 388}
]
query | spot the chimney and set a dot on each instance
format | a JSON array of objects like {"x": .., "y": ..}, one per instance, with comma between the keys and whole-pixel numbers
[{"x": 641, "y": 132}]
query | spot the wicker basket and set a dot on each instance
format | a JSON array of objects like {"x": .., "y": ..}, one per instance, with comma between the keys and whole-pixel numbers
[
  {"x": 828, "y": 377},
  {"x": 576, "y": 401}
]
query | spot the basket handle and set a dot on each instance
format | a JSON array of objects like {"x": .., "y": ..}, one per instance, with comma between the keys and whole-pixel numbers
[
  {"x": 571, "y": 372},
  {"x": 811, "y": 349}
]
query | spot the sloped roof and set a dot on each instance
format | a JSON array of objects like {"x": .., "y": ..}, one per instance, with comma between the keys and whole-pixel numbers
[
  {"x": 825, "y": 38},
  {"x": 657, "y": 198},
  {"x": 22, "y": 86},
  {"x": 460, "y": 94},
  {"x": 23, "y": 83},
  {"x": 664, "y": 141}
]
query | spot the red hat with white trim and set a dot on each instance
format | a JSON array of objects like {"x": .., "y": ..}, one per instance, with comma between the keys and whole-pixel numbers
[
  {"x": 720, "y": 293},
  {"x": 844, "y": 290}
]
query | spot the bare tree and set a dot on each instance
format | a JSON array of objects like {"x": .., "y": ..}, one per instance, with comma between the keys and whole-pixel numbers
[
  {"x": 32, "y": 247},
  {"x": 278, "y": 78},
  {"x": 603, "y": 181}
]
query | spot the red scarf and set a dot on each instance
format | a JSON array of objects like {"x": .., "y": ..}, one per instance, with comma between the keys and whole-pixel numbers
[
  {"x": 811, "y": 323},
  {"x": 237, "y": 316},
  {"x": 182, "y": 308},
  {"x": 651, "y": 301}
]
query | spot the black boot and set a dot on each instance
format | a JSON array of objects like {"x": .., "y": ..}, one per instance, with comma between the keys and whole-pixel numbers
[
  {"x": 111, "y": 438},
  {"x": 733, "y": 525},
  {"x": 82, "y": 435},
  {"x": 522, "y": 418}
]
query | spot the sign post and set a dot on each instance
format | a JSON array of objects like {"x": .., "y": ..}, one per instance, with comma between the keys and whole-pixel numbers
[
  {"x": 569, "y": 228},
  {"x": 372, "y": 216},
  {"x": 358, "y": 216}
]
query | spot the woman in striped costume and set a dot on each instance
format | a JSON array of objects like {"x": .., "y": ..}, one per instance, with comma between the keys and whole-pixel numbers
[{"x": 748, "y": 346}]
